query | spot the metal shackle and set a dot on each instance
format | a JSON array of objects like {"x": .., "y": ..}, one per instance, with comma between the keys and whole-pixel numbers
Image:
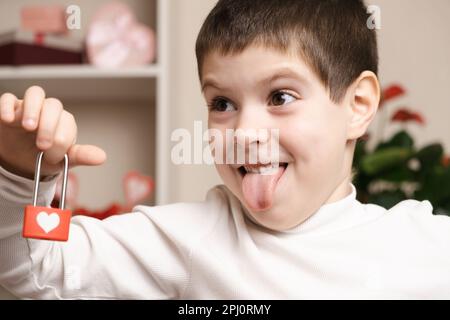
[{"x": 37, "y": 174}]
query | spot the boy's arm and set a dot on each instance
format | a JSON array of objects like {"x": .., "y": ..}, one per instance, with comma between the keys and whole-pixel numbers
[{"x": 125, "y": 256}]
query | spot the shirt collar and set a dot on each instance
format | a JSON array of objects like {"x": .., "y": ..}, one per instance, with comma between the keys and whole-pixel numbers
[{"x": 329, "y": 217}]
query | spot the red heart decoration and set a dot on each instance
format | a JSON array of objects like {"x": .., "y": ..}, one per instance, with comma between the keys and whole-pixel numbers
[{"x": 137, "y": 187}]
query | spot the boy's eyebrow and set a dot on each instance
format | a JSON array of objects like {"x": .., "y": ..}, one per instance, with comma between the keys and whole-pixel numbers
[
  {"x": 209, "y": 83},
  {"x": 280, "y": 73},
  {"x": 284, "y": 72}
]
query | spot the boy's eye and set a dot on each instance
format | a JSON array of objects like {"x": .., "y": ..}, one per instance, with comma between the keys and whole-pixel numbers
[
  {"x": 280, "y": 98},
  {"x": 221, "y": 105}
]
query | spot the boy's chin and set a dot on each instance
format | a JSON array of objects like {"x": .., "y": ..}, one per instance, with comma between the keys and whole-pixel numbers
[{"x": 273, "y": 218}]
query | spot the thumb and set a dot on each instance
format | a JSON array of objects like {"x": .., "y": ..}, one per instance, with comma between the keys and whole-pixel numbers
[{"x": 86, "y": 155}]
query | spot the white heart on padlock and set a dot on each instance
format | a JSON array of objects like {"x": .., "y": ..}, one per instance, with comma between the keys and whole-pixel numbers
[{"x": 47, "y": 222}]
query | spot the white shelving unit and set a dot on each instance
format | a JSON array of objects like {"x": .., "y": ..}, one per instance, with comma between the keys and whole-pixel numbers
[
  {"x": 76, "y": 72},
  {"x": 102, "y": 97},
  {"x": 92, "y": 92},
  {"x": 163, "y": 104},
  {"x": 146, "y": 85}
]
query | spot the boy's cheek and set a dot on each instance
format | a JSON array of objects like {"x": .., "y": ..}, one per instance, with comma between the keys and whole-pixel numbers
[
  {"x": 228, "y": 176},
  {"x": 302, "y": 142},
  {"x": 314, "y": 155}
]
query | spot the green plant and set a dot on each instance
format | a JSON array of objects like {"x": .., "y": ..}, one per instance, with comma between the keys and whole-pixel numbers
[{"x": 395, "y": 170}]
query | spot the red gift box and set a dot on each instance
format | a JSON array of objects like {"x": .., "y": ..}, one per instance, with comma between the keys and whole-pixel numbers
[
  {"x": 23, "y": 47},
  {"x": 44, "y": 18}
]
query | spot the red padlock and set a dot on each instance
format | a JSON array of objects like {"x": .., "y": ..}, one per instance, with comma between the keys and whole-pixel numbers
[{"x": 47, "y": 223}]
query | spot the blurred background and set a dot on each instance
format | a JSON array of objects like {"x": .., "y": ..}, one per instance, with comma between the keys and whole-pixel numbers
[{"x": 127, "y": 71}]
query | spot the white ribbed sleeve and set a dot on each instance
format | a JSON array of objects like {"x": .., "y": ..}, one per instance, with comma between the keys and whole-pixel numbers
[
  {"x": 126, "y": 256},
  {"x": 211, "y": 250}
]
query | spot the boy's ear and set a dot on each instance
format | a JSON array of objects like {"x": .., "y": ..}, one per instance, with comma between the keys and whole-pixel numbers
[{"x": 364, "y": 98}]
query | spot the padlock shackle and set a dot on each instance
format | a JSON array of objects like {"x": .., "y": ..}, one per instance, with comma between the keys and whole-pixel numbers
[{"x": 37, "y": 175}]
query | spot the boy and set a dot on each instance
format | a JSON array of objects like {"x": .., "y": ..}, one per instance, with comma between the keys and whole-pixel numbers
[{"x": 288, "y": 229}]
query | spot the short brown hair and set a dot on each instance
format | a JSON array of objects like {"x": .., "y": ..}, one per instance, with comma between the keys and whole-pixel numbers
[{"x": 332, "y": 36}]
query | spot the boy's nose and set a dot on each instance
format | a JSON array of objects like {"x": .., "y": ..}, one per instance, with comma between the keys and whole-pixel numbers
[
  {"x": 250, "y": 126},
  {"x": 250, "y": 129}
]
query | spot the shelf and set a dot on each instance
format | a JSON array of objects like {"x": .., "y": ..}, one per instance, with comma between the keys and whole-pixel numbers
[
  {"x": 104, "y": 100},
  {"x": 124, "y": 89},
  {"x": 76, "y": 72}
]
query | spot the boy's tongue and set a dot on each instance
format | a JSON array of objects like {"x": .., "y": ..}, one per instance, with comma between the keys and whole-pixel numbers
[{"x": 258, "y": 189}]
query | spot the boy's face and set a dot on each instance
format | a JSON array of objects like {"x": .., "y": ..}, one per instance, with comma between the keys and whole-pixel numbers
[{"x": 262, "y": 88}]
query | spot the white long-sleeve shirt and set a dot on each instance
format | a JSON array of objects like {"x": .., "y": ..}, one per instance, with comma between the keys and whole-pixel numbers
[{"x": 212, "y": 250}]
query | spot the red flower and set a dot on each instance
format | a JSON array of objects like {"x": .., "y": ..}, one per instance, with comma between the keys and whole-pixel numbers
[
  {"x": 446, "y": 161},
  {"x": 405, "y": 115},
  {"x": 391, "y": 92}
]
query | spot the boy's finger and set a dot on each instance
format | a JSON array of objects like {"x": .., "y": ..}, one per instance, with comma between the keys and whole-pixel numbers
[
  {"x": 86, "y": 155},
  {"x": 7, "y": 103},
  {"x": 63, "y": 138},
  {"x": 48, "y": 123},
  {"x": 33, "y": 101}
]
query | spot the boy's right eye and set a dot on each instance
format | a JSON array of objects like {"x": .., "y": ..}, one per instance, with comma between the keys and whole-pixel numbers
[{"x": 221, "y": 105}]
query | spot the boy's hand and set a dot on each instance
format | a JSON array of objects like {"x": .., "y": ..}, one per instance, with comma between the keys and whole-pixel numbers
[{"x": 38, "y": 124}]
